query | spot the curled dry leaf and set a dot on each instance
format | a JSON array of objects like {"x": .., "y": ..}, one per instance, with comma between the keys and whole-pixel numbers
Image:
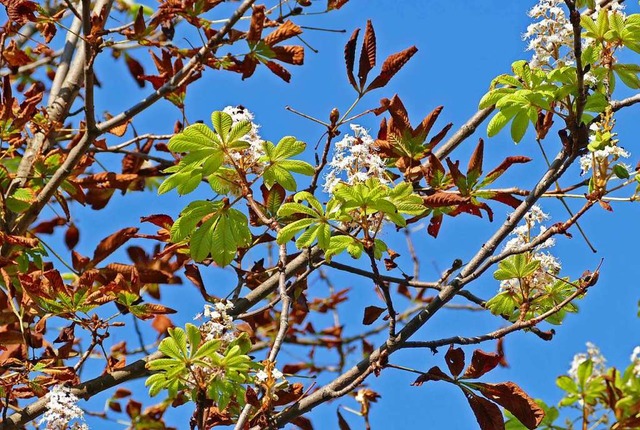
[
  {"x": 391, "y": 66},
  {"x": 455, "y": 360},
  {"x": 511, "y": 397},
  {"x": 371, "y": 314}
]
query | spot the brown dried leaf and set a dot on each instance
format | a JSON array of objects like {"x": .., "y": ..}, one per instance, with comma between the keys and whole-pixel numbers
[
  {"x": 512, "y": 398},
  {"x": 20, "y": 11},
  {"x": 441, "y": 199},
  {"x": 434, "y": 374},
  {"x": 14, "y": 56},
  {"x": 335, "y": 4},
  {"x": 475, "y": 162},
  {"x": 487, "y": 413},
  {"x": 371, "y": 314},
  {"x": 161, "y": 324},
  {"x": 109, "y": 244},
  {"x": 72, "y": 236},
  {"x": 481, "y": 363},
  {"x": 290, "y": 54},
  {"x": 135, "y": 68},
  {"x": 342, "y": 423},
  {"x": 257, "y": 24},
  {"x": 108, "y": 180},
  {"x": 350, "y": 56},
  {"x": 455, "y": 360},
  {"x": 367, "y": 54},
  {"x": 391, "y": 66},
  {"x": 287, "y": 30},
  {"x": 279, "y": 71}
]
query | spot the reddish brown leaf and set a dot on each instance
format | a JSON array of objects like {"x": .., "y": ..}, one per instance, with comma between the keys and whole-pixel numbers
[
  {"x": 342, "y": 423},
  {"x": 508, "y": 162},
  {"x": 192, "y": 272},
  {"x": 139, "y": 26},
  {"x": 487, "y": 413},
  {"x": 290, "y": 54},
  {"x": 371, "y": 314},
  {"x": 455, "y": 360},
  {"x": 303, "y": 423},
  {"x": 150, "y": 310},
  {"x": 257, "y": 24},
  {"x": 79, "y": 262},
  {"x": 336, "y": 4},
  {"x": 286, "y": 31},
  {"x": 475, "y": 162},
  {"x": 507, "y": 199},
  {"x": 135, "y": 68},
  {"x": 47, "y": 227},
  {"x": 109, "y": 244},
  {"x": 14, "y": 56},
  {"x": 441, "y": 199},
  {"x": 161, "y": 220},
  {"x": 20, "y": 11},
  {"x": 427, "y": 123},
  {"x": 108, "y": 180},
  {"x": 512, "y": 398},
  {"x": 605, "y": 205},
  {"x": 161, "y": 324},
  {"x": 26, "y": 242},
  {"x": 434, "y": 225},
  {"x": 434, "y": 374},
  {"x": 72, "y": 236},
  {"x": 279, "y": 71},
  {"x": 500, "y": 352},
  {"x": 391, "y": 66},
  {"x": 481, "y": 363},
  {"x": 350, "y": 56},
  {"x": 367, "y": 54}
]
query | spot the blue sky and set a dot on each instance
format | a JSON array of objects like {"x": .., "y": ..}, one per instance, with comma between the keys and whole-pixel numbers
[{"x": 462, "y": 46}]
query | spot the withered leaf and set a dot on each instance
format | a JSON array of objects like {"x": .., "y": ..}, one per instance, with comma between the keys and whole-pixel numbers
[
  {"x": 367, "y": 54},
  {"x": 290, "y": 54},
  {"x": 150, "y": 310},
  {"x": 257, "y": 24},
  {"x": 433, "y": 374},
  {"x": 109, "y": 244},
  {"x": 455, "y": 360},
  {"x": 481, "y": 363},
  {"x": 335, "y": 4},
  {"x": 72, "y": 236},
  {"x": 279, "y": 71},
  {"x": 441, "y": 199},
  {"x": 475, "y": 162},
  {"x": 161, "y": 324},
  {"x": 371, "y": 314},
  {"x": 192, "y": 272},
  {"x": 342, "y": 423},
  {"x": 285, "y": 31},
  {"x": 136, "y": 69},
  {"x": 511, "y": 397},
  {"x": 487, "y": 413},
  {"x": 391, "y": 66},
  {"x": 350, "y": 56}
]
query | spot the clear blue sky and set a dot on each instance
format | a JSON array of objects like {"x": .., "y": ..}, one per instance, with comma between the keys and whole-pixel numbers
[{"x": 462, "y": 46}]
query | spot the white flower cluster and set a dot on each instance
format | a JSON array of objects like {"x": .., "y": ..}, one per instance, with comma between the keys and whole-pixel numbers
[
  {"x": 355, "y": 160},
  {"x": 240, "y": 113},
  {"x": 62, "y": 408},
  {"x": 593, "y": 354},
  {"x": 220, "y": 324},
  {"x": 610, "y": 153},
  {"x": 262, "y": 376},
  {"x": 550, "y": 36},
  {"x": 549, "y": 264},
  {"x": 635, "y": 359}
]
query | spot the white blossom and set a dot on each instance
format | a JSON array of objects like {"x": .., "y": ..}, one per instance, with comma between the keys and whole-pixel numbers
[
  {"x": 593, "y": 353},
  {"x": 550, "y": 36},
  {"x": 256, "y": 150},
  {"x": 635, "y": 360},
  {"x": 62, "y": 408},
  {"x": 220, "y": 324},
  {"x": 522, "y": 235},
  {"x": 355, "y": 160},
  {"x": 262, "y": 375}
]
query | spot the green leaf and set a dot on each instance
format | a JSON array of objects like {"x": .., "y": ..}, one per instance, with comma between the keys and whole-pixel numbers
[
  {"x": 496, "y": 124},
  {"x": 287, "y": 232},
  {"x": 519, "y": 126},
  {"x": 222, "y": 123}
]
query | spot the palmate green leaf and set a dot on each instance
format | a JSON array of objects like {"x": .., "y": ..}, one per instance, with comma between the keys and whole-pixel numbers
[
  {"x": 339, "y": 244},
  {"x": 289, "y": 209},
  {"x": 308, "y": 237},
  {"x": 519, "y": 126},
  {"x": 193, "y": 337},
  {"x": 496, "y": 124},
  {"x": 238, "y": 130},
  {"x": 170, "y": 348},
  {"x": 194, "y": 137},
  {"x": 191, "y": 216},
  {"x": 222, "y": 123},
  {"x": 287, "y": 232},
  {"x": 207, "y": 349},
  {"x": 503, "y": 304},
  {"x": 280, "y": 166}
]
